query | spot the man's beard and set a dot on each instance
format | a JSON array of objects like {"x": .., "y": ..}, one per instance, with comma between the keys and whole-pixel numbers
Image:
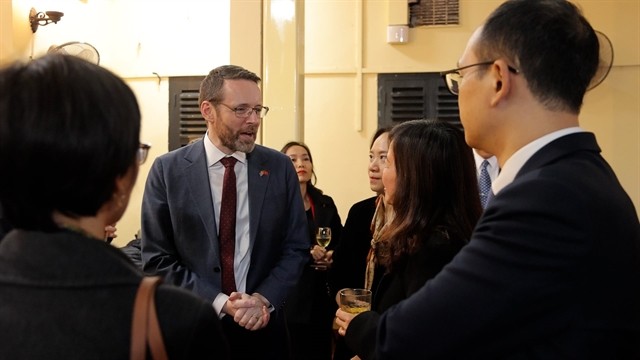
[{"x": 232, "y": 140}]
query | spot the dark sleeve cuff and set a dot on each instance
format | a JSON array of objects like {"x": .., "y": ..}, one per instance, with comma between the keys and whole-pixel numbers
[{"x": 361, "y": 335}]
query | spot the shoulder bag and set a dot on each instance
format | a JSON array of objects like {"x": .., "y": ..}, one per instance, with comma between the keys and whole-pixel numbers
[{"x": 145, "y": 329}]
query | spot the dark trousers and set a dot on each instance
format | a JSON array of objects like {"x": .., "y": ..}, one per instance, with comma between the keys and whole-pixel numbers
[
  {"x": 271, "y": 342},
  {"x": 311, "y": 341}
]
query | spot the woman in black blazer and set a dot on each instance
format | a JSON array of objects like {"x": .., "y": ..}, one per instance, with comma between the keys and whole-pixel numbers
[
  {"x": 310, "y": 308},
  {"x": 70, "y": 153},
  {"x": 350, "y": 257}
]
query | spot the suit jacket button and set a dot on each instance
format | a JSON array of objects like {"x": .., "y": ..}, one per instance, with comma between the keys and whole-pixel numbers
[{"x": 216, "y": 269}]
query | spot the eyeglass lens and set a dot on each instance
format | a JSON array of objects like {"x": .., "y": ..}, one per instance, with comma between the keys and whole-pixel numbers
[
  {"x": 244, "y": 112},
  {"x": 452, "y": 80},
  {"x": 143, "y": 152}
]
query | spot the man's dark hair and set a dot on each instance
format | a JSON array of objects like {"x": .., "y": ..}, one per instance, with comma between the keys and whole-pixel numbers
[
  {"x": 211, "y": 86},
  {"x": 550, "y": 42}
]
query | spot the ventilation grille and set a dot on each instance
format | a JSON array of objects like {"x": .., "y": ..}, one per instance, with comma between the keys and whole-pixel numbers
[
  {"x": 434, "y": 13},
  {"x": 410, "y": 96},
  {"x": 407, "y": 103},
  {"x": 192, "y": 124},
  {"x": 447, "y": 106},
  {"x": 185, "y": 121}
]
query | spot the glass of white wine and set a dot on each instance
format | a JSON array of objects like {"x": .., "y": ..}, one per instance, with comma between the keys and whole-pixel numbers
[
  {"x": 323, "y": 239},
  {"x": 323, "y": 236}
]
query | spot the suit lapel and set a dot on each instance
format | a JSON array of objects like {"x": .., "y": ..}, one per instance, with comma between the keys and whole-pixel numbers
[
  {"x": 197, "y": 176},
  {"x": 258, "y": 173}
]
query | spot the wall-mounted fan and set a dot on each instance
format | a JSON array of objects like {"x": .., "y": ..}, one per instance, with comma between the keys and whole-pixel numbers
[
  {"x": 606, "y": 60},
  {"x": 80, "y": 49}
]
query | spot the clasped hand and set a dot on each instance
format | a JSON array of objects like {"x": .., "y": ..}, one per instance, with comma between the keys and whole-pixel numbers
[{"x": 249, "y": 311}]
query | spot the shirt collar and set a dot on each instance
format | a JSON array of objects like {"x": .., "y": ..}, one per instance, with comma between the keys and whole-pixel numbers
[
  {"x": 513, "y": 165},
  {"x": 493, "y": 161}
]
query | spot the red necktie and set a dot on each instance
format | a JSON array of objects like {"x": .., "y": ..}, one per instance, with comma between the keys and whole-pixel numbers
[{"x": 227, "y": 229}]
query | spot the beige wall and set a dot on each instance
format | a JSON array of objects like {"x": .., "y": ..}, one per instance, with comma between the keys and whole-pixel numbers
[
  {"x": 341, "y": 88},
  {"x": 136, "y": 40},
  {"x": 283, "y": 80},
  {"x": 332, "y": 55}
]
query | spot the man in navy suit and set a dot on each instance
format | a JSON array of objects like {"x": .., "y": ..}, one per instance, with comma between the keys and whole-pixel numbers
[
  {"x": 181, "y": 216},
  {"x": 552, "y": 270}
]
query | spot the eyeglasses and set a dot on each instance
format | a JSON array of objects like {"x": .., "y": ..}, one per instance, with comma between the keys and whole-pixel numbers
[
  {"x": 143, "y": 151},
  {"x": 453, "y": 77},
  {"x": 245, "y": 111}
]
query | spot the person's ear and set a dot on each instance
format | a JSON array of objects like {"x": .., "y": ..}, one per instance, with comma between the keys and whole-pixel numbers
[
  {"x": 122, "y": 191},
  {"x": 207, "y": 110},
  {"x": 502, "y": 80},
  {"x": 124, "y": 183}
]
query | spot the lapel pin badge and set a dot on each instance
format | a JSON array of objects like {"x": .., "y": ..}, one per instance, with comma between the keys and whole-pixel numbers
[{"x": 264, "y": 173}]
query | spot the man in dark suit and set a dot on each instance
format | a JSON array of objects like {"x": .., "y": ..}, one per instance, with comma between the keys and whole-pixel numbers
[
  {"x": 182, "y": 208},
  {"x": 553, "y": 267}
]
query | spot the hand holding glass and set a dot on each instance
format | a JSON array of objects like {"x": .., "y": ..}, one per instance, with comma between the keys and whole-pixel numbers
[
  {"x": 323, "y": 238},
  {"x": 355, "y": 301}
]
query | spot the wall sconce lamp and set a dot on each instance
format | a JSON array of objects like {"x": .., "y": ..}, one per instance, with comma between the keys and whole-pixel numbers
[{"x": 44, "y": 19}]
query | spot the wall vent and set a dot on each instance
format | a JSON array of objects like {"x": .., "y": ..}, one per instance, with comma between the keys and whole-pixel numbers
[
  {"x": 410, "y": 96},
  {"x": 434, "y": 13},
  {"x": 185, "y": 120}
]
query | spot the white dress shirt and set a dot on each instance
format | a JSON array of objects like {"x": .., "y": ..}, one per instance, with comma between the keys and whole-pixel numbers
[{"x": 242, "y": 252}]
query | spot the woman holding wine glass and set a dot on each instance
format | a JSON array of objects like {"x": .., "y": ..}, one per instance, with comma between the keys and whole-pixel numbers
[
  {"x": 310, "y": 308},
  {"x": 430, "y": 180}
]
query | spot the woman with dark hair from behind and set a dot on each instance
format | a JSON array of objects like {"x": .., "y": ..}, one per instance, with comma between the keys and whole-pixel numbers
[
  {"x": 70, "y": 152},
  {"x": 430, "y": 180},
  {"x": 310, "y": 307}
]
